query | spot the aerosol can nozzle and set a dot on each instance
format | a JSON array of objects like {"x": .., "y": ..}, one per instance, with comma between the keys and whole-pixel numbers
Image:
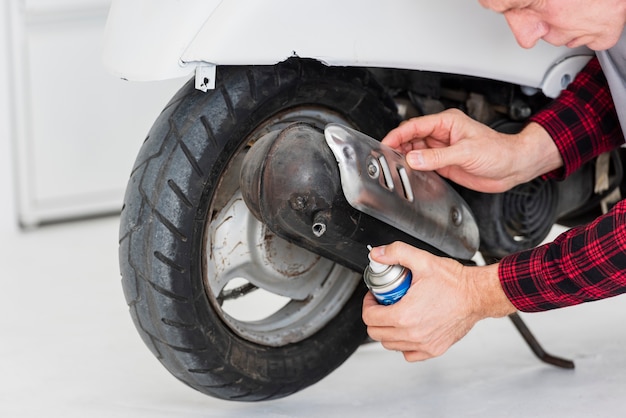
[{"x": 375, "y": 266}]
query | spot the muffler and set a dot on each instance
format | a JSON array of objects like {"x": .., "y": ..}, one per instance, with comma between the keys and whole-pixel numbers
[{"x": 337, "y": 191}]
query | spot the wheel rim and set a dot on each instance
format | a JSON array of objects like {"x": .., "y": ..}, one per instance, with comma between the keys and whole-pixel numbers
[{"x": 264, "y": 288}]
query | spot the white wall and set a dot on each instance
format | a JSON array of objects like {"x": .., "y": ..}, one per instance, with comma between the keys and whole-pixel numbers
[
  {"x": 8, "y": 216},
  {"x": 70, "y": 131}
]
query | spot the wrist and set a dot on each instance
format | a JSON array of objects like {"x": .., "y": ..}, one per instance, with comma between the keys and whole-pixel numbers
[
  {"x": 537, "y": 153},
  {"x": 489, "y": 298}
]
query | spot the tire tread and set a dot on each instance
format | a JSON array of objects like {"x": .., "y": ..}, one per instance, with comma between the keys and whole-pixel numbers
[{"x": 163, "y": 218}]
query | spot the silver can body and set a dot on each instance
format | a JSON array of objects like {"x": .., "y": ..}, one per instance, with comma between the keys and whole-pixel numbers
[{"x": 390, "y": 285}]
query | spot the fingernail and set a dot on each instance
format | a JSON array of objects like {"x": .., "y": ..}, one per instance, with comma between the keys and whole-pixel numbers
[
  {"x": 415, "y": 158},
  {"x": 378, "y": 251}
]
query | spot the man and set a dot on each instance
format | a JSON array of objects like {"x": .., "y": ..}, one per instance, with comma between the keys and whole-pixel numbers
[{"x": 587, "y": 263}]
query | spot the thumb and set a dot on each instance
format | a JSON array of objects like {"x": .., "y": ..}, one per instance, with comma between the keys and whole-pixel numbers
[
  {"x": 432, "y": 159},
  {"x": 398, "y": 253}
]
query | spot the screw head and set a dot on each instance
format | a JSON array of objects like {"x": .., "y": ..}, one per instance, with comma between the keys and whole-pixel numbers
[
  {"x": 298, "y": 202},
  {"x": 372, "y": 168},
  {"x": 456, "y": 216}
]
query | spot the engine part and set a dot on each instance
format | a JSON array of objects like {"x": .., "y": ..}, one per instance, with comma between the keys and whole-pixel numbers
[
  {"x": 523, "y": 216},
  {"x": 420, "y": 203},
  {"x": 291, "y": 182},
  {"x": 514, "y": 220}
]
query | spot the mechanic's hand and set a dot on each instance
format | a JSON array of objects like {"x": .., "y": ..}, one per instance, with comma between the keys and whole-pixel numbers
[
  {"x": 444, "y": 302},
  {"x": 472, "y": 154}
]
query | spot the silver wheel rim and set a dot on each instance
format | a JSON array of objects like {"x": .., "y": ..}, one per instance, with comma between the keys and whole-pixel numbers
[{"x": 264, "y": 288}]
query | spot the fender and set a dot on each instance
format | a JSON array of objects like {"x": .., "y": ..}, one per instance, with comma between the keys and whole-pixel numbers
[
  {"x": 145, "y": 39},
  {"x": 450, "y": 36}
]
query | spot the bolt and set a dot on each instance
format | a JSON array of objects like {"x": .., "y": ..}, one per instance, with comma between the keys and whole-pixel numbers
[
  {"x": 565, "y": 80},
  {"x": 320, "y": 222},
  {"x": 456, "y": 216},
  {"x": 519, "y": 110},
  {"x": 319, "y": 229},
  {"x": 298, "y": 202},
  {"x": 372, "y": 168}
]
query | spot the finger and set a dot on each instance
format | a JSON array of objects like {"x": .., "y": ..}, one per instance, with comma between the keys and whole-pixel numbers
[
  {"x": 401, "y": 345},
  {"x": 401, "y": 253},
  {"x": 369, "y": 300},
  {"x": 413, "y": 356},
  {"x": 375, "y": 314},
  {"x": 431, "y": 159},
  {"x": 377, "y": 333},
  {"x": 413, "y": 129},
  {"x": 388, "y": 334},
  {"x": 438, "y": 126}
]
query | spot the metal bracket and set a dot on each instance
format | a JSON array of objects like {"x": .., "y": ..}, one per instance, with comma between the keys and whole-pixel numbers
[
  {"x": 205, "y": 77},
  {"x": 603, "y": 182},
  {"x": 376, "y": 181}
]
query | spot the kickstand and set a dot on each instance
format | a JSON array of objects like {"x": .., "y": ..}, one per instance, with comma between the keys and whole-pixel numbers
[
  {"x": 536, "y": 347},
  {"x": 530, "y": 339}
]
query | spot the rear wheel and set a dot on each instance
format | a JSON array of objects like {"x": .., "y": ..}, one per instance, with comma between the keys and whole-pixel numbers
[{"x": 227, "y": 307}]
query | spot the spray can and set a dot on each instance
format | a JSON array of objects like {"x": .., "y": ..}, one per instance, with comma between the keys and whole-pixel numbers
[{"x": 387, "y": 283}]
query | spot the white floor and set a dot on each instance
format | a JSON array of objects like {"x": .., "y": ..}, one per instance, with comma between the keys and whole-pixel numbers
[{"x": 68, "y": 349}]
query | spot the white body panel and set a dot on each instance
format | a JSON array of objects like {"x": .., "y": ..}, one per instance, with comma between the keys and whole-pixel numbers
[{"x": 152, "y": 40}]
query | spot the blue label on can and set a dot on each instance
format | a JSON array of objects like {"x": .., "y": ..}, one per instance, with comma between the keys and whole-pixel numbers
[{"x": 391, "y": 297}]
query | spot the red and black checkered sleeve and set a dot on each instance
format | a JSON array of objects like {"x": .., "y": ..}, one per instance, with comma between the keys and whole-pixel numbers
[
  {"x": 589, "y": 262},
  {"x": 582, "y": 121},
  {"x": 583, "y": 264}
]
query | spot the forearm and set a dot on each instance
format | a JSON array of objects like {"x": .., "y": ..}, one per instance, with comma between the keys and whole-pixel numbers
[
  {"x": 583, "y": 264},
  {"x": 582, "y": 121}
]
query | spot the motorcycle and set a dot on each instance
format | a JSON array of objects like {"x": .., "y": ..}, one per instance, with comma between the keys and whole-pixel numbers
[{"x": 248, "y": 211}]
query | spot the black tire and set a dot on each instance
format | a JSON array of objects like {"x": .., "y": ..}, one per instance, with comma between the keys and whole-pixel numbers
[{"x": 177, "y": 187}]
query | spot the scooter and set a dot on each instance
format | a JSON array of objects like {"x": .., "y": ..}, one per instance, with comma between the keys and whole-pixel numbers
[{"x": 249, "y": 209}]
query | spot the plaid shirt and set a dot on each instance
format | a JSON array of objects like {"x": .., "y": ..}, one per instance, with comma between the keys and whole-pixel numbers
[{"x": 588, "y": 262}]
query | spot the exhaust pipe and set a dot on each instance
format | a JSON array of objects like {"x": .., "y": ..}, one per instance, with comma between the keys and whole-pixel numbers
[{"x": 337, "y": 191}]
